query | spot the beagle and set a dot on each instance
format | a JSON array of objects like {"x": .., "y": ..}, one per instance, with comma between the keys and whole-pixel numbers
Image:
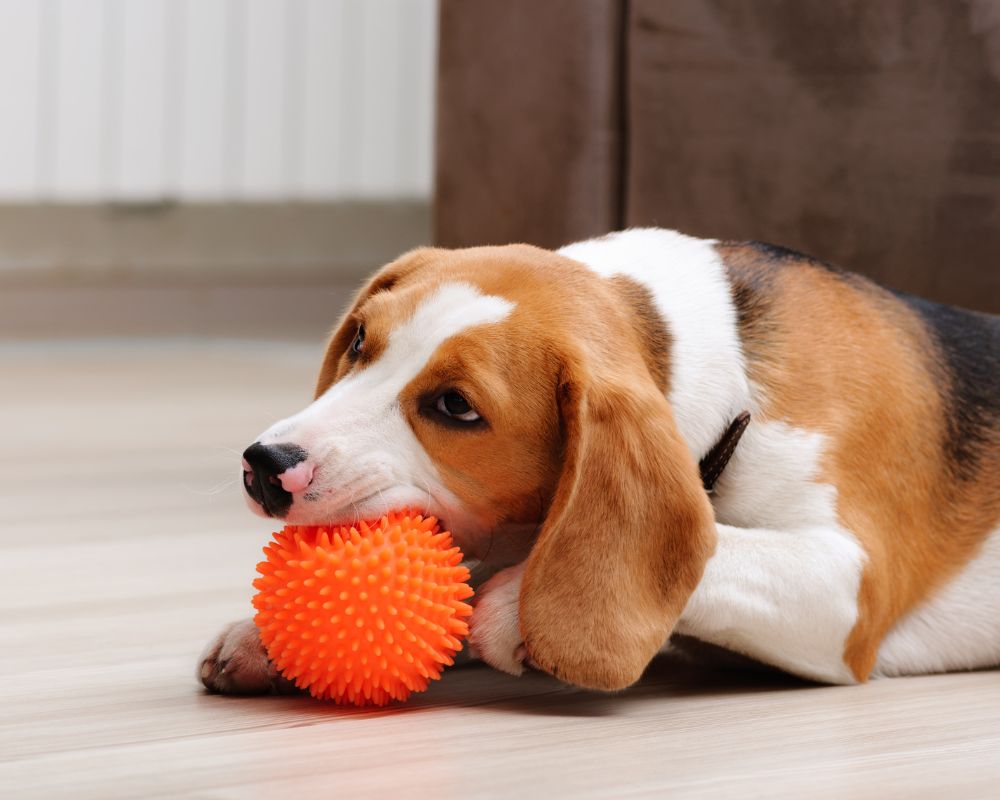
[{"x": 552, "y": 408}]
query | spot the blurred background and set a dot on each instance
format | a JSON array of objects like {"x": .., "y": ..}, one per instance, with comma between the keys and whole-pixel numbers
[
  {"x": 866, "y": 134},
  {"x": 234, "y": 167},
  {"x": 179, "y": 166}
]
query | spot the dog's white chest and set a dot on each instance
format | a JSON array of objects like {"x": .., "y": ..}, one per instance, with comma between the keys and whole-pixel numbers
[{"x": 771, "y": 481}]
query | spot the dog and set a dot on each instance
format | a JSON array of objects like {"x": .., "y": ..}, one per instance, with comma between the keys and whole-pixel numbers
[{"x": 552, "y": 409}]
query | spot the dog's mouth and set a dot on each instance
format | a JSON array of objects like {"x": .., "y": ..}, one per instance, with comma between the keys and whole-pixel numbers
[
  {"x": 358, "y": 513},
  {"x": 369, "y": 508}
]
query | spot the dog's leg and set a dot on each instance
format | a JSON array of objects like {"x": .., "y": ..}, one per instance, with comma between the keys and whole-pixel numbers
[
  {"x": 235, "y": 663},
  {"x": 494, "y": 629},
  {"x": 958, "y": 627},
  {"x": 786, "y": 598}
]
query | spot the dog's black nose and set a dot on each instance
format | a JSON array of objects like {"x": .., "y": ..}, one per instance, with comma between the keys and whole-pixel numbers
[{"x": 263, "y": 464}]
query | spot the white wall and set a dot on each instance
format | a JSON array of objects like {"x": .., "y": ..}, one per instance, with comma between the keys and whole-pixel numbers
[{"x": 117, "y": 100}]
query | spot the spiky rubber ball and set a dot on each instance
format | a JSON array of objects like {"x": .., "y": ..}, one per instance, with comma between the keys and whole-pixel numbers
[{"x": 365, "y": 614}]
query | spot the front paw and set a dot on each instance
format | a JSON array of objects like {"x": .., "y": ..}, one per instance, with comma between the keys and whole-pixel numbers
[
  {"x": 235, "y": 662},
  {"x": 494, "y": 628}
]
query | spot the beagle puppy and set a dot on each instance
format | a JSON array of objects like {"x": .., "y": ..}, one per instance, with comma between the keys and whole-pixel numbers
[{"x": 552, "y": 409}]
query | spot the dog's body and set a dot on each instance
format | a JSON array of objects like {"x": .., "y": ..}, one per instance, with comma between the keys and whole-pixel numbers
[{"x": 855, "y": 531}]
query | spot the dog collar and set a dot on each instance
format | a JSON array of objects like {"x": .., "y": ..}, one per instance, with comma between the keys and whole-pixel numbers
[{"x": 715, "y": 460}]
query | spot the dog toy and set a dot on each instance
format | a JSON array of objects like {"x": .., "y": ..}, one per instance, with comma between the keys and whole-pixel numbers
[{"x": 364, "y": 614}]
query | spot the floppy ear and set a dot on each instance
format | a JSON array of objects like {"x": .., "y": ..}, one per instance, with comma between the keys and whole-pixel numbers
[
  {"x": 342, "y": 336},
  {"x": 626, "y": 537}
]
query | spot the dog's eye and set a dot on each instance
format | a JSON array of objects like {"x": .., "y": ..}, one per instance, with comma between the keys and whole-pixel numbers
[
  {"x": 359, "y": 341},
  {"x": 454, "y": 405}
]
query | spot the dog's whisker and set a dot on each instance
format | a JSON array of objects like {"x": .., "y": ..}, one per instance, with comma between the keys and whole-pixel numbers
[
  {"x": 381, "y": 496},
  {"x": 214, "y": 490},
  {"x": 423, "y": 487}
]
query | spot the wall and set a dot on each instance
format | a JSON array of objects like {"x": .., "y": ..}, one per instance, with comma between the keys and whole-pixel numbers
[{"x": 215, "y": 100}]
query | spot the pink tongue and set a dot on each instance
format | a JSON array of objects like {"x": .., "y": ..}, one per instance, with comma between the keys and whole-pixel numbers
[{"x": 297, "y": 478}]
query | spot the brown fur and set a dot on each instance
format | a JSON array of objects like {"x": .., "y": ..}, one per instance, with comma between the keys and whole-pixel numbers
[
  {"x": 336, "y": 361},
  {"x": 836, "y": 354},
  {"x": 627, "y": 537},
  {"x": 580, "y": 440},
  {"x": 649, "y": 328}
]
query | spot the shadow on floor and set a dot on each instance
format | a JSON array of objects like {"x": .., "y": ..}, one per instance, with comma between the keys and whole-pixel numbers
[{"x": 689, "y": 671}]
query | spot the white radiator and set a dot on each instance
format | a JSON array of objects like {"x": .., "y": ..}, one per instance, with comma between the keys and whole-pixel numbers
[{"x": 216, "y": 100}]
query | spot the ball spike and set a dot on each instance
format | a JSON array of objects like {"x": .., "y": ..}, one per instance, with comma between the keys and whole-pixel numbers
[{"x": 363, "y": 615}]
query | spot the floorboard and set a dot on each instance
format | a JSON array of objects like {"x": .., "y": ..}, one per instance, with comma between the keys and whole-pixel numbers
[{"x": 124, "y": 545}]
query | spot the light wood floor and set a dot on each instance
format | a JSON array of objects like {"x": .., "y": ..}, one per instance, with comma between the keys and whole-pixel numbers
[{"x": 125, "y": 545}]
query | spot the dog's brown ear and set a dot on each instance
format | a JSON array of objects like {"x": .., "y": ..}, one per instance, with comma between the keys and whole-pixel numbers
[
  {"x": 625, "y": 540},
  {"x": 343, "y": 334}
]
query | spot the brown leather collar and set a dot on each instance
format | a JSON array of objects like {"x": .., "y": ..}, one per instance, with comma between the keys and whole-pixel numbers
[{"x": 715, "y": 460}]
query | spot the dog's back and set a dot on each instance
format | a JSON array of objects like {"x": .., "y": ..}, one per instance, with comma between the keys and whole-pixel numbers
[
  {"x": 869, "y": 471},
  {"x": 908, "y": 392}
]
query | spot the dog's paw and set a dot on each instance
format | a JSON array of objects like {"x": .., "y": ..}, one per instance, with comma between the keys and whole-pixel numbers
[
  {"x": 494, "y": 628},
  {"x": 235, "y": 662}
]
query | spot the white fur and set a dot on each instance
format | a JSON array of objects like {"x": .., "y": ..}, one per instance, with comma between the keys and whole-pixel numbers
[
  {"x": 783, "y": 584},
  {"x": 782, "y": 587},
  {"x": 708, "y": 384},
  {"x": 770, "y": 481},
  {"x": 494, "y": 631},
  {"x": 366, "y": 455},
  {"x": 784, "y": 598},
  {"x": 957, "y": 628}
]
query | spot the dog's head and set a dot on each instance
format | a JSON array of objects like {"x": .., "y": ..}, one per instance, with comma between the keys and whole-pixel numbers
[{"x": 504, "y": 389}]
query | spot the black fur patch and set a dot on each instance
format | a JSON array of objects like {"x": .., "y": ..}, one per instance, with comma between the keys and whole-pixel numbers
[
  {"x": 751, "y": 299},
  {"x": 751, "y": 270},
  {"x": 777, "y": 253},
  {"x": 969, "y": 345}
]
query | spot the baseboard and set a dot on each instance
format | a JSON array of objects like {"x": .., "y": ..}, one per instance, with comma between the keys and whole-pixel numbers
[
  {"x": 288, "y": 312},
  {"x": 211, "y": 243},
  {"x": 260, "y": 271}
]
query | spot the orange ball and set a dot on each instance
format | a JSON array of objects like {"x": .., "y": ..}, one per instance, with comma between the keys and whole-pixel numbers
[{"x": 363, "y": 615}]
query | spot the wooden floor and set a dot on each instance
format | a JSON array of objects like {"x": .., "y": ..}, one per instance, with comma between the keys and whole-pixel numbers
[{"x": 125, "y": 545}]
